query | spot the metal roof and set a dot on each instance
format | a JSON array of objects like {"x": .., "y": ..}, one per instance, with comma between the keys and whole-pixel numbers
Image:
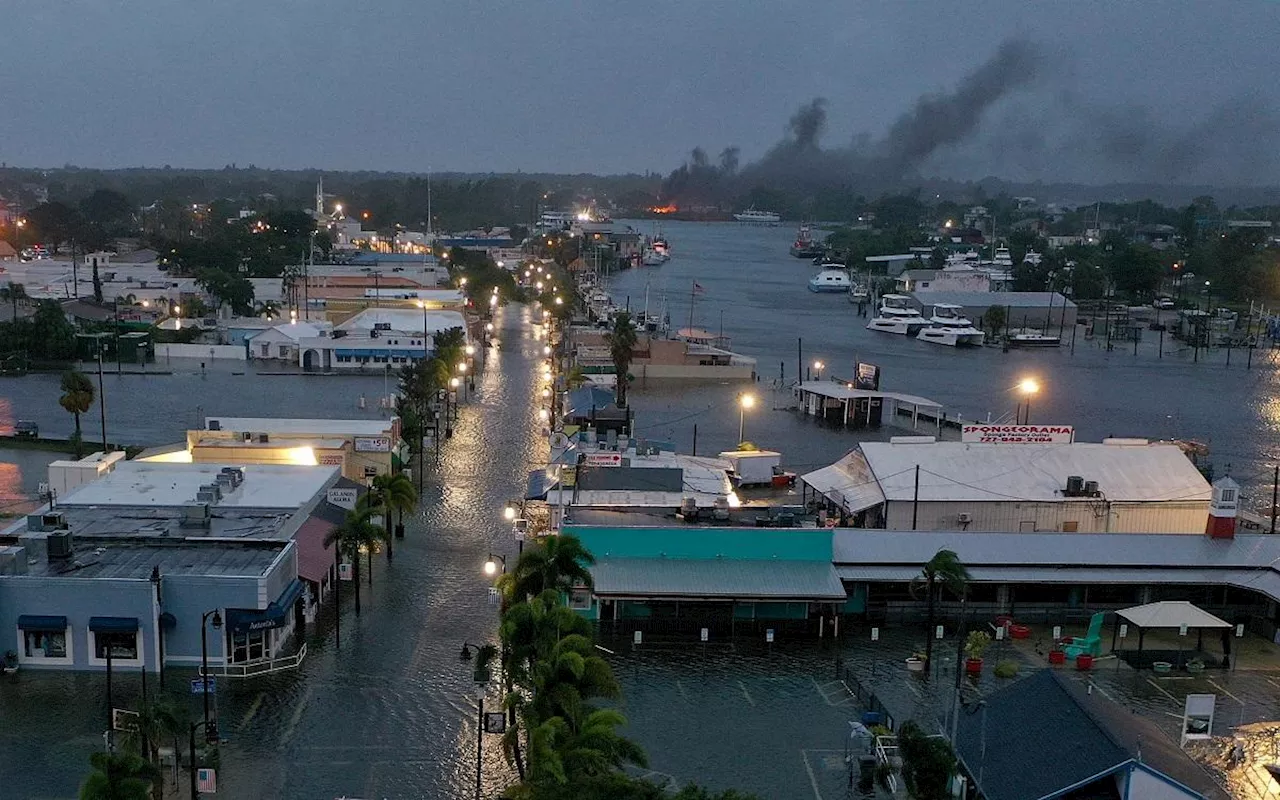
[
  {"x": 1172, "y": 614},
  {"x": 843, "y": 391},
  {"x": 848, "y": 483},
  {"x": 715, "y": 578},
  {"x": 160, "y": 484},
  {"x": 988, "y": 299},
  {"x": 965, "y": 471},
  {"x": 135, "y": 560}
]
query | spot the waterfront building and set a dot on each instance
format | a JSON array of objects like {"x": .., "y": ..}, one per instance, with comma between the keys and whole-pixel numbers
[
  {"x": 382, "y": 338},
  {"x": 657, "y": 358},
  {"x": 134, "y": 559},
  {"x": 280, "y": 342},
  {"x": 361, "y": 448},
  {"x": 917, "y": 483}
]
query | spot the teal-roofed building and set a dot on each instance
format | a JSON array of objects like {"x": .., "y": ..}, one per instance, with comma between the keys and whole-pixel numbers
[{"x": 728, "y": 580}]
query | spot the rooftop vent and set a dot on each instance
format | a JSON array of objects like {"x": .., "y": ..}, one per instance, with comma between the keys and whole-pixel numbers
[
  {"x": 215, "y": 425},
  {"x": 195, "y": 515},
  {"x": 1075, "y": 486},
  {"x": 209, "y": 493},
  {"x": 59, "y": 546}
]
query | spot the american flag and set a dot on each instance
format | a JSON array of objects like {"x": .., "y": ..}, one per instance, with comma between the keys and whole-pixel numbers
[{"x": 697, "y": 288}]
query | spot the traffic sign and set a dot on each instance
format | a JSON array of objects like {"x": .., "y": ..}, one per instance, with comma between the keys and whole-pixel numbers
[
  {"x": 768, "y": 635},
  {"x": 875, "y": 634},
  {"x": 705, "y": 634},
  {"x": 207, "y": 780},
  {"x": 124, "y": 720},
  {"x": 495, "y": 722},
  {"x": 198, "y": 684}
]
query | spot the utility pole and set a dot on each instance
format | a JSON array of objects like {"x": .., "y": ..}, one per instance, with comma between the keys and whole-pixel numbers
[
  {"x": 102, "y": 398},
  {"x": 915, "y": 499}
]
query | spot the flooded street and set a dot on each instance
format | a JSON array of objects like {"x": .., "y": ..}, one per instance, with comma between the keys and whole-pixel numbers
[
  {"x": 390, "y": 714},
  {"x": 759, "y": 294}
]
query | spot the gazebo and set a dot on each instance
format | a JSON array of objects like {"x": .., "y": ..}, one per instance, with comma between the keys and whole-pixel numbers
[{"x": 1179, "y": 614}]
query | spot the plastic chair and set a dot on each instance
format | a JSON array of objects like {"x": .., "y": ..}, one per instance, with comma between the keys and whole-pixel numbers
[{"x": 1090, "y": 644}]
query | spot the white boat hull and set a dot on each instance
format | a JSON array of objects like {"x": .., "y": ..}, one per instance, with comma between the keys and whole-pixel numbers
[
  {"x": 903, "y": 326},
  {"x": 952, "y": 337},
  {"x": 827, "y": 288},
  {"x": 1035, "y": 341}
]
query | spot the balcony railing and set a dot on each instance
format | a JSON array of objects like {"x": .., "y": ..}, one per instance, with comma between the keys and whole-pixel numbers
[{"x": 263, "y": 666}]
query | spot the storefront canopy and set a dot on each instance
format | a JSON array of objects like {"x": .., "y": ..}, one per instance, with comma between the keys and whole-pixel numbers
[
  {"x": 1171, "y": 614},
  {"x": 33, "y": 622},
  {"x": 241, "y": 620},
  {"x": 716, "y": 578},
  {"x": 113, "y": 624}
]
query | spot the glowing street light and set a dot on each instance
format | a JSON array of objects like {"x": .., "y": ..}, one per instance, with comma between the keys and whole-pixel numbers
[
  {"x": 744, "y": 402},
  {"x": 462, "y": 366},
  {"x": 453, "y": 383},
  {"x": 546, "y": 350},
  {"x": 489, "y": 327},
  {"x": 818, "y": 366},
  {"x": 544, "y": 414},
  {"x": 491, "y": 565},
  {"x": 493, "y": 300},
  {"x": 509, "y": 513},
  {"x": 471, "y": 350},
  {"x": 559, "y": 301},
  {"x": 462, "y": 281},
  {"x": 538, "y": 285},
  {"x": 1028, "y": 387}
]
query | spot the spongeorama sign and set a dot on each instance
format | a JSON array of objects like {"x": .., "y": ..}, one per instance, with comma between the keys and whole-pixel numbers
[{"x": 1018, "y": 434}]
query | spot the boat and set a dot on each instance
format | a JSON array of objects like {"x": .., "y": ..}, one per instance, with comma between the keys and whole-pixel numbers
[
  {"x": 830, "y": 280},
  {"x": 804, "y": 246},
  {"x": 660, "y": 246},
  {"x": 652, "y": 258},
  {"x": 1029, "y": 337},
  {"x": 754, "y": 217},
  {"x": 949, "y": 326},
  {"x": 897, "y": 315}
]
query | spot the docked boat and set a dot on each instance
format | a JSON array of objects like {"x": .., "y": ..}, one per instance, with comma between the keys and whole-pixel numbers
[
  {"x": 753, "y": 217},
  {"x": 831, "y": 279},
  {"x": 652, "y": 258},
  {"x": 897, "y": 315},
  {"x": 1028, "y": 337},
  {"x": 660, "y": 246},
  {"x": 804, "y": 246},
  {"x": 950, "y": 327}
]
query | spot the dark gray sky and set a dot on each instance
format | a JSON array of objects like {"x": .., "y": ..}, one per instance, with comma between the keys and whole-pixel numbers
[{"x": 612, "y": 86}]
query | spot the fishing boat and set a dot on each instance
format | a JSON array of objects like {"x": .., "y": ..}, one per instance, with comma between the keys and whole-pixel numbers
[
  {"x": 652, "y": 258},
  {"x": 1028, "y": 337},
  {"x": 661, "y": 247},
  {"x": 804, "y": 246},
  {"x": 753, "y": 217},
  {"x": 830, "y": 280},
  {"x": 950, "y": 327},
  {"x": 897, "y": 315}
]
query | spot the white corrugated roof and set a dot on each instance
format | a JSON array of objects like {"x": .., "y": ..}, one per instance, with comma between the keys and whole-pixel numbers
[
  {"x": 848, "y": 483},
  {"x": 409, "y": 320},
  {"x": 961, "y": 471},
  {"x": 843, "y": 391},
  {"x": 740, "y": 579},
  {"x": 1172, "y": 614}
]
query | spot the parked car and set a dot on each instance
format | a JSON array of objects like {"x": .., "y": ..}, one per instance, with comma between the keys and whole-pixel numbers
[{"x": 25, "y": 429}]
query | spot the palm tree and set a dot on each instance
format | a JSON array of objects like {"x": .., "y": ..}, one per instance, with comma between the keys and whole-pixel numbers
[
  {"x": 118, "y": 776},
  {"x": 13, "y": 293},
  {"x": 561, "y": 752},
  {"x": 77, "y": 398},
  {"x": 394, "y": 493},
  {"x": 158, "y": 721},
  {"x": 622, "y": 341},
  {"x": 355, "y": 532},
  {"x": 943, "y": 570},
  {"x": 557, "y": 563}
]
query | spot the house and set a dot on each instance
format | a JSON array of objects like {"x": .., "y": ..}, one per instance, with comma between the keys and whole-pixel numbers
[
  {"x": 280, "y": 343},
  {"x": 379, "y": 337},
  {"x": 939, "y": 280},
  {"x": 1043, "y": 738},
  {"x": 918, "y": 483}
]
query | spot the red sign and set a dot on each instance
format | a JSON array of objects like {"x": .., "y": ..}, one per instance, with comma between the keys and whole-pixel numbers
[
  {"x": 1018, "y": 434},
  {"x": 604, "y": 460}
]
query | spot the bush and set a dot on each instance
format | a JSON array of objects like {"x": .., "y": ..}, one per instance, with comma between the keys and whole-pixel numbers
[{"x": 1007, "y": 669}]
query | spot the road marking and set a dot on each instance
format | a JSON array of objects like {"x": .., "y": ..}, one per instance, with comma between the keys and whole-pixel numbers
[
  {"x": 1272, "y": 682},
  {"x": 1162, "y": 690},
  {"x": 296, "y": 718},
  {"x": 813, "y": 780},
  {"x": 683, "y": 693},
  {"x": 1215, "y": 685},
  {"x": 910, "y": 684},
  {"x": 1101, "y": 691},
  {"x": 253, "y": 709},
  {"x": 746, "y": 694}
]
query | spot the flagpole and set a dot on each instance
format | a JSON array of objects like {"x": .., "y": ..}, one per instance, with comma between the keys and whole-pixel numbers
[{"x": 693, "y": 291}]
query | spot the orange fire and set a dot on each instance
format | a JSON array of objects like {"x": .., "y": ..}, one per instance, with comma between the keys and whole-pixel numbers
[{"x": 669, "y": 208}]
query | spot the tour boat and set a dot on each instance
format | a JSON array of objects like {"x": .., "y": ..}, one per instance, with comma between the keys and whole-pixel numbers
[
  {"x": 830, "y": 280},
  {"x": 897, "y": 315},
  {"x": 754, "y": 217},
  {"x": 950, "y": 327}
]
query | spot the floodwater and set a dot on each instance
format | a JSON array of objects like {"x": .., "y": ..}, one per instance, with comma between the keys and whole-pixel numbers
[
  {"x": 758, "y": 295},
  {"x": 392, "y": 712}
]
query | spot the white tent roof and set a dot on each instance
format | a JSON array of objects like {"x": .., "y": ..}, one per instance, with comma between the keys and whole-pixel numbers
[
  {"x": 848, "y": 483},
  {"x": 1171, "y": 614}
]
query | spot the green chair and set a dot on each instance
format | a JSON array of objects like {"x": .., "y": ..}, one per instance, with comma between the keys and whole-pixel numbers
[{"x": 1090, "y": 644}]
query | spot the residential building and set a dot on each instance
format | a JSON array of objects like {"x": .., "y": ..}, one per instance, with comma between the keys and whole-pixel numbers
[
  {"x": 379, "y": 337},
  {"x": 917, "y": 483},
  {"x": 280, "y": 342}
]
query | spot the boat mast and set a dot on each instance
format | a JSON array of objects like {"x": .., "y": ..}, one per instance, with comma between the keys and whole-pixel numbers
[{"x": 693, "y": 293}]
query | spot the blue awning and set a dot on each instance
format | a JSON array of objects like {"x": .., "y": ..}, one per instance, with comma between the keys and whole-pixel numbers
[
  {"x": 33, "y": 622},
  {"x": 241, "y": 620},
  {"x": 539, "y": 484},
  {"x": 114, "y": 624}
]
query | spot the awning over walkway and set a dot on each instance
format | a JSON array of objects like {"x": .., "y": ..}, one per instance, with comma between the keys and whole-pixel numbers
[
  {"x": 848, "y": 483},
  {"x": 241, "y": 620},
  {"x": 1172, "y": 614},
  {"x": 716, "y": 579},
  {"x": 539, "y": 484},
  {"x": 35, "y": 622}
]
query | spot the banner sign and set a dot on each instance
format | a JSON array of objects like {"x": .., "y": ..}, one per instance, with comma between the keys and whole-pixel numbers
[
  {"x": 342, "y": 498},
  {"x": 603, "y": 460},
  {"x": 373, "y": 444},
  {"x": 867, "y": 376},
  {"x": 1018, "y": 434}
]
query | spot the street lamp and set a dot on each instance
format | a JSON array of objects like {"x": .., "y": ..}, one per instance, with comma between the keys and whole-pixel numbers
[
  {"x": 818, "y": 366},
  {"x": 204, "y": 657},
  {"x": 462, "y": 281},
  {"x": 509, "y": 513},
  {"x": 546, "y": 350},
  {"x": 1028, "y": 387},
  {"x": 544, "y": 414},
  {"x": 491, "y": 565},
  {"x": 744, "y": 402}
]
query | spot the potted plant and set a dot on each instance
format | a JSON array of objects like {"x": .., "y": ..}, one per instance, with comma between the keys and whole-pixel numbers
[
  {"x": 975, "y": 644},
  {"x": 916, "y": 663},
  {"x": 1195, "y": 666},
  {"x": 10, "y": 663}
]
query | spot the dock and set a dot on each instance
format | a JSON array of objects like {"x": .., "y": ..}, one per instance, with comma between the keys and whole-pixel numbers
[{"x": 836, "y": 401}]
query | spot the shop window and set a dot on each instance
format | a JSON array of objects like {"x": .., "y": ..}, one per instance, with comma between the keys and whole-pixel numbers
[
  {"x": 251, "y": 646},
  {"x": 124, "y": 646},
  {"x": 44, "y": 644}
]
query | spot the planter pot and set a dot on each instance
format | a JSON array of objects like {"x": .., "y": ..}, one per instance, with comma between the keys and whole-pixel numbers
[
  {"x": 1017, "y": 631},
  {"x": 915, "y": 665},
  {"x": 1057, "y": 657},
  {"x": 1195, "y": 668},
  {"x": 973, "y": 666},
  {"x": 1161, "y": 667},
  {"x": 1084, "y": 662}
]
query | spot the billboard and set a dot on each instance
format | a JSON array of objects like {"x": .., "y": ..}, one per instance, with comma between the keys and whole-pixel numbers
[
  {"x": 1018, "y": 434},
  {"x": 373, "y": 444},
  {"x": 867, "y": 377},
  {"x": 342, "y": 498}
]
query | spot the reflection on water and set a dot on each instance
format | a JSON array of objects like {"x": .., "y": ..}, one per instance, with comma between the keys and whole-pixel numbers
[{"x": 1243, "y": 770}]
